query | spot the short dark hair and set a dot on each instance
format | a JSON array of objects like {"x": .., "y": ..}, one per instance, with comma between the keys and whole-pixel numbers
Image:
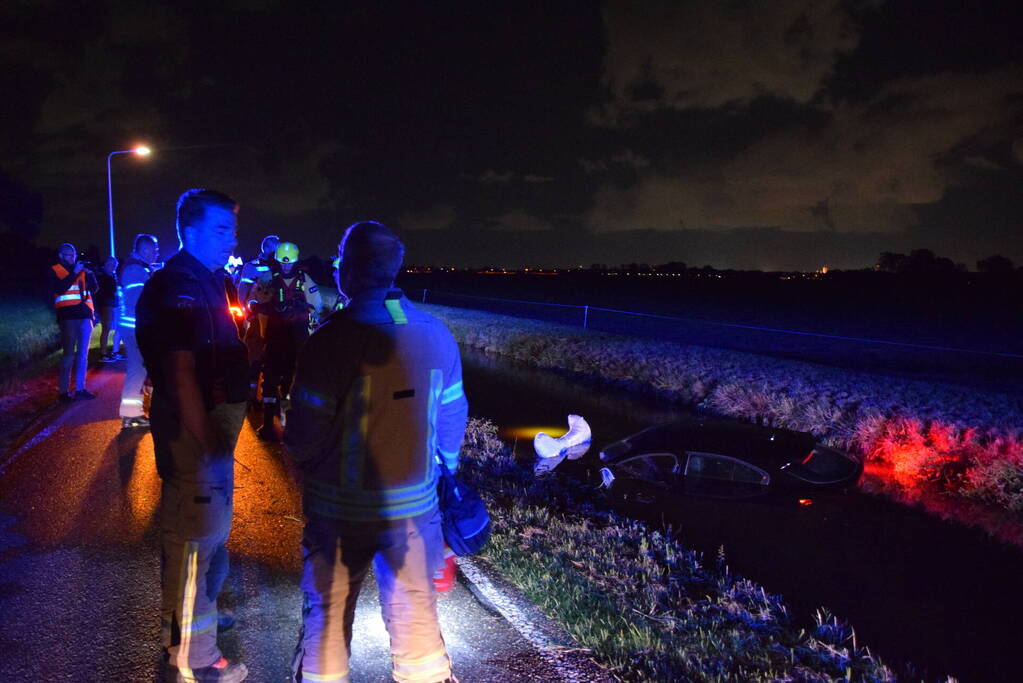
[
  {"x": 372, "y": 251},
  {"x": 141, "y": 237},
  {"x": 192, "y": 206}
]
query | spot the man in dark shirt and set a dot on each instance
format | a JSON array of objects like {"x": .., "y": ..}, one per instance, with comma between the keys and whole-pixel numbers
[
  {"x": 198, "y": 369},
  {"x": 73, "y": 287},
  {"x": 106, "y": 301}
]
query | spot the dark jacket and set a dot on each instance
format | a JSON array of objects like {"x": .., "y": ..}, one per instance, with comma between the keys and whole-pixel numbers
[
  {"x": 106, "y": 296},
  {"x": 184, "y": 307}
]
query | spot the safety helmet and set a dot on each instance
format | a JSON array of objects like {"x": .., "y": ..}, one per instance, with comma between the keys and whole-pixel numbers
[
  {"x": 273, "y": 239},
  {"x": 287, "y": 252}
]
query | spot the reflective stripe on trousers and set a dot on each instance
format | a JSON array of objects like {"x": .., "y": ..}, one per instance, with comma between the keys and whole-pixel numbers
[
  {"x": 195, "y": 523},
  {"x": 404, "y": 554},
  {"x": 134, "y": 377}
]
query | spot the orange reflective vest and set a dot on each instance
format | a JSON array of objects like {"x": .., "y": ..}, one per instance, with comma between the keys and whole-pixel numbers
[{"x": 76, "y": 294}]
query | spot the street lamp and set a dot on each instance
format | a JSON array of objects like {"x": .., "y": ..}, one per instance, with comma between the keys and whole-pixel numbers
[{"x": 140, "y": 150}]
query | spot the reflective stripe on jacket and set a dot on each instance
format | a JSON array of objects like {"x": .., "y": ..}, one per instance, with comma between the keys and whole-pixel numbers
[
  {"x": 77, "y": 293},
  {"x": 134, "y": 275},
  {"x": 377, "y": 397}
]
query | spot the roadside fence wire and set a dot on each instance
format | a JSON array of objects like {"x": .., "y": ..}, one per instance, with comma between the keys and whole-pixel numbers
[{"x": 999, "y": 371}]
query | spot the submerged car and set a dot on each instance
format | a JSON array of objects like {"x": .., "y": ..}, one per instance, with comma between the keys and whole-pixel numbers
[{"x": 721, "y": 459}]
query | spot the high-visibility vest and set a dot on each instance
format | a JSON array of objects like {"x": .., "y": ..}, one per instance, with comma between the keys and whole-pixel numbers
[{"x": 76, "y": 294}]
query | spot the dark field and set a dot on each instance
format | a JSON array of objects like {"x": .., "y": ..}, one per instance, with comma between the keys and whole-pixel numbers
[{"x": 965, "y": 328}]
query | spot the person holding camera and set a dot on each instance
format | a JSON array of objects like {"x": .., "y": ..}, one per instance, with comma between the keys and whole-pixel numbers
[{"x": 73, "y": 287}]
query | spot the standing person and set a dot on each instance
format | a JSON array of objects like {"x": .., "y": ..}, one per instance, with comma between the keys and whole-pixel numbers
[
  {"x": 197, "y": 366},
  {"x": 293, "y": 296},
  {"x": 137, "y": 269},
  {"x": 252, "y": 289},
  {"x": 73, "y": 287},
  {"x": 377, "y": 399},
  {"x": 106, "y": 301}
]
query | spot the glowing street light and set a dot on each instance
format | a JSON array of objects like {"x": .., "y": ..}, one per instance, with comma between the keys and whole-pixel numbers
[{"x": 138, "y": 150}]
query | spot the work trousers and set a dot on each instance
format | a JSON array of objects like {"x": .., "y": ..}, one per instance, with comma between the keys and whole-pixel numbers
[
  {"x": 404, "y": 554},
  {"x": 74, "y": 338},
  {"x": 282, "y": 347},
  {"x": 195, "y": 521},
  {"x": 134, "y": 376},
  {"x": 108, "y": 317},
  {"x": 255, "y": 347}
]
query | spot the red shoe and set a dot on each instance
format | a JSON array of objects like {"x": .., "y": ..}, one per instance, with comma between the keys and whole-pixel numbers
[{"x": 444, "y": 578}]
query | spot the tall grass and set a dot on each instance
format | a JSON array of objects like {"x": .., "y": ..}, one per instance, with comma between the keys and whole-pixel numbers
[
  {"x": 960, "y": 441},
  {"x": 648, "y": 608},
  {"x": 27, "y": 331}
]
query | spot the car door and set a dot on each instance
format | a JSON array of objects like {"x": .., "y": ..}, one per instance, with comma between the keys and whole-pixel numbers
[{"x": 720, "y": 476}]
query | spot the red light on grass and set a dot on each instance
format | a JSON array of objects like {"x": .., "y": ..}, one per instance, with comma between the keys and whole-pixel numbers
[{"x": 806, "y": 502}]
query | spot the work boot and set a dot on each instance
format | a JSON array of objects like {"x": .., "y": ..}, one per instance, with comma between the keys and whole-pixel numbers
[
  {"x": 221, "y": 672},
  {"x": 444, "y": 578},
  {"x": 134, "y": 423},
  {"x": 84, "y": 395},
  {"x": 268, "y": 432}
]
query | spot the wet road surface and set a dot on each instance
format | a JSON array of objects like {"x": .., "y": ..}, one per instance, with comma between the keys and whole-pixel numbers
[{"x": 79, "y": 564}]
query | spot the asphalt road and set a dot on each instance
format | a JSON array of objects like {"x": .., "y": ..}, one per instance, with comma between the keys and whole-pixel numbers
[{"x": 79, "y": 564}]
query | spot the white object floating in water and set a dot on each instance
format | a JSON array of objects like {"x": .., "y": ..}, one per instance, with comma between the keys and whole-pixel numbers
[
  {"x": 607, "y": 477},
  {"x": 573, "y": 444}
]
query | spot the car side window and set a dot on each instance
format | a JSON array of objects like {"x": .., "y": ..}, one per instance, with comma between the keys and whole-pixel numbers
[{"x": 719, "y": 475}]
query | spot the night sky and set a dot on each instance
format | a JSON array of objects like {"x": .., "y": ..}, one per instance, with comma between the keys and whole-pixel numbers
[{"x": 767, "y": 135}]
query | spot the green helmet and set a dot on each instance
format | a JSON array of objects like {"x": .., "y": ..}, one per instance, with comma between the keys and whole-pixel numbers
[{"x": 287, "y": 252}]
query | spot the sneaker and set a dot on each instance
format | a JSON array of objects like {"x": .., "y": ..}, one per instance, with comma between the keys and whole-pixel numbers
[
  {"x": 65, "y": 398},
  {"x": 108, "y": 358},
  {"x": 225, "y": 620},
  {"x": 221, "y": 672},
  {"x": 120, "y": 356},
  {"x": 134, "y": 423},
  {"x": 84, "y": 395}
]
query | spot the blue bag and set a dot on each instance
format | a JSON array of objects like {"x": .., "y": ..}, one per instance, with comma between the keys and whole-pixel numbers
[{"x": 464, "y": 518}]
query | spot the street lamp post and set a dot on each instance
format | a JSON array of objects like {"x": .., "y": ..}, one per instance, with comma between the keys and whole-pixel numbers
[{"x": 141, "y": 151}]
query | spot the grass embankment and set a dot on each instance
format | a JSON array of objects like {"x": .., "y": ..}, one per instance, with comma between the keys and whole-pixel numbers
[
  {"x": 27, "y": 333},
  {"x": 647, "y": 607},
  {"x": 912, "y": 434}
]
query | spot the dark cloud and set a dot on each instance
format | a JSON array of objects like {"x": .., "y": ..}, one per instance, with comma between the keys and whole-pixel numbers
[{"x": 557, "y": 127}]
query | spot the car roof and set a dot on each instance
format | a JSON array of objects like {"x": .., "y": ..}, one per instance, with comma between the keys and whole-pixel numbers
[{"x": 758, "y": 445}]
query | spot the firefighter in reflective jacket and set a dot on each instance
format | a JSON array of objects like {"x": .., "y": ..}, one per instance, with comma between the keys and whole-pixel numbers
[
  {"x": 293, "y": 304},
  {"x": 253, "y": 289},
  {"x": 377, "y": 401},
  {"x": 135, "y": 272}
]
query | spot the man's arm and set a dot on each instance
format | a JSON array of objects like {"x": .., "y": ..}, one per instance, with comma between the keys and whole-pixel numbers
[
  {"x": 180, "y": 370},
  {"x": 313, "y": 298},
  {"x": 314, "y": 401},
  {"x": 453, "y": 412},
  {"x": 60, "y": 285}
]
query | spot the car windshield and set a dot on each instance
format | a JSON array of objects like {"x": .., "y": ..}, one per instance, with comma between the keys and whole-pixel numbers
[{"x": 823, "y": 465}]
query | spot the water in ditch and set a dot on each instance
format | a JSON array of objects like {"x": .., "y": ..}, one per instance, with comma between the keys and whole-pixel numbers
[{"x": 938, "y": 596}]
